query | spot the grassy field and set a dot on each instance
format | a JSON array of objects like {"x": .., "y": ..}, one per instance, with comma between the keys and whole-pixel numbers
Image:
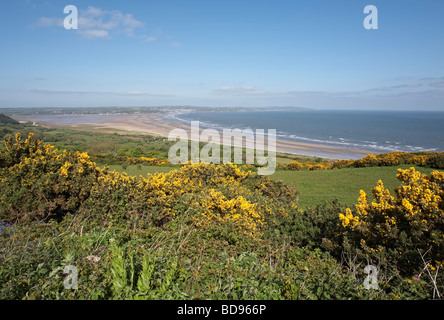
[
  {"x": 142, "y": 170},
  {"x": 344, "y": 184},
  {"x": 316, "y": 187}
]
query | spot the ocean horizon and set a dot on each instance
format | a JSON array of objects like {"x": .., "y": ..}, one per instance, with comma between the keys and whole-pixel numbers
[
  {"x": 355, "y": 132},
  {"x": 373, "y": 131}
]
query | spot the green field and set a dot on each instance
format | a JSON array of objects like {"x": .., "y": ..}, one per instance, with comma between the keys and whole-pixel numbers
[
  {"x": 141, "y": 170},
  {"x": 318, "y": 186},
  {"x": 344, "y": 184}
]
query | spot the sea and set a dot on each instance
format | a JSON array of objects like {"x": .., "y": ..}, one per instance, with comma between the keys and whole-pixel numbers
[{"x": 373, "y": 131}]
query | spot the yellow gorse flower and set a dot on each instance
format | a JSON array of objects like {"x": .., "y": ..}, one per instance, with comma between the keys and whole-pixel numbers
[
  {"x": 239, "y": 212},
  {"x": 418, "y": 209},
  {"x": 348, "y": 220}
]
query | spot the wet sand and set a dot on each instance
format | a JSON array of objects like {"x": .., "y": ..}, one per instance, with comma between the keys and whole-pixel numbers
[{"x": 155, "y": 124}]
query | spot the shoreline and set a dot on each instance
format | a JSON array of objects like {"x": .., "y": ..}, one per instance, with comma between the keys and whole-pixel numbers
[{"x": 156, "y": 124}]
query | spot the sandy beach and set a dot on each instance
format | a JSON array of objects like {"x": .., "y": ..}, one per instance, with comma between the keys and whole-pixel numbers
[{"x": 155, "y": 124}]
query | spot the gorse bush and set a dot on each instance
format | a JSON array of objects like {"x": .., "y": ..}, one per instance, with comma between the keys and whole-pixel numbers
[
  {"x": 430, "y": 159},
  {"x": 39, "y": 182},
  {"x": 392, "y": 159},
  {"x": 401, "y": 228},
  {"x": 294, "y": 165},
  {"x": 319, "y": 166},
  {"x": 152, "y": 161}
]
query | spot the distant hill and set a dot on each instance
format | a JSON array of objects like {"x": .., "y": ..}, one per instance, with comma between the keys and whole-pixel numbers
[
  {"x": 7, "y": 120},
  {"x": 10, "y": 126}
]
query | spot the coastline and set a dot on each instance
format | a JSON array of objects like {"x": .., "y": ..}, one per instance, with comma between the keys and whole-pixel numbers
[{"x": 156, "y": 124}]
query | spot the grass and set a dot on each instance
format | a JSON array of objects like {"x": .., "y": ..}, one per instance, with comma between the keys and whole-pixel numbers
[
  {"x": 132, "y": 145},
  {"x": 315, "y": 187},
  {"x": 142, "y": 170},
  {"x": 344, "y": 184}
]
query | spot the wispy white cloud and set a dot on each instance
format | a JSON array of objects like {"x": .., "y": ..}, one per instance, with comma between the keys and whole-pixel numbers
[
  {"x": 49, "y": 22},
  {"x": 143, "y": 93},
  {"x": 407, "y": 85},
  {"x": 383, "y": 91},
  {"x": 107, "y": 20},
  {"x": 150, "y": 39},
  {"x": 432, "y": 79},
  {"x": 63, "y": 92},
  {"x": 435, "y": 83},
  {"x": 134, "y": 93},
  {"x": 393, "y": 87},
  {"x": 247, "y": 91},
  {"x": 95, "y": 23},
  {"x": 438, "y": 84},
  {"x": 237, "y": 91},
  {"x": 94, "y": 33}
]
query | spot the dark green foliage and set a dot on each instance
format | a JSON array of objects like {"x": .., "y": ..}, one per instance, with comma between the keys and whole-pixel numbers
[
  {"x": 317, "y": 227},
  {"x": 5, "y": 120},
  {"x": 436, "y": 161}
]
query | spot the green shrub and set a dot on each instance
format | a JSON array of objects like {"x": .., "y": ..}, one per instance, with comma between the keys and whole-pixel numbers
[{"x": 436, "y": 161}]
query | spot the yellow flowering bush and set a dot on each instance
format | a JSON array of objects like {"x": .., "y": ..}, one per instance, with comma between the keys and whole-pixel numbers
[
  {"x": 402, "y": 225},
  {"x": 216, "y": 210},
  {"x": 339, "y": 164},
  {"x": 213, "y": 197},
  {"x": 151, "y": 161},
  {"x": 39, "y": 182},
  {"x": 320, "y": 166},
  {"x": 294, "y": 165},
  {"x": 432, "y": 159}
]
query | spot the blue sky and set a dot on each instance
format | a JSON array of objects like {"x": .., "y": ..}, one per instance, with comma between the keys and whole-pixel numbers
[{"x": 305, "y": 53}]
